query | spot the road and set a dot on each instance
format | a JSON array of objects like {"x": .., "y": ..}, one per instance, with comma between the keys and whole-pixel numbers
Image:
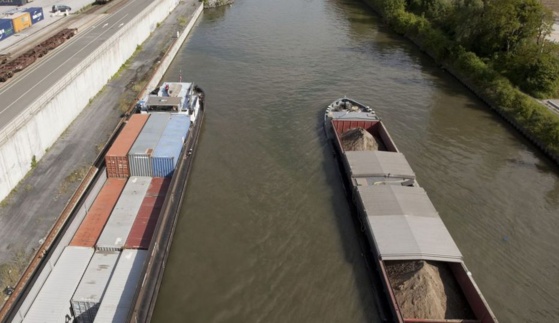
[{"x": 28, "y": 85}]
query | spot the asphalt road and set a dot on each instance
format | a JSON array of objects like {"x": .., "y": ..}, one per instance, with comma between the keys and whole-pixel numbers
[{"x": 28, "y": 85}]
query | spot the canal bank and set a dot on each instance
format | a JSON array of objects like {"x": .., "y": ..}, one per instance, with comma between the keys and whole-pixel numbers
[
  {"x": 83, "y": 141},
  {"x": 533, "y": 119}
]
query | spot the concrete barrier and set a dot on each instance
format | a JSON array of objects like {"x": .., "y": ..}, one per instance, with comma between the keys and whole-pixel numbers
[{"x": 29, "y": 136}]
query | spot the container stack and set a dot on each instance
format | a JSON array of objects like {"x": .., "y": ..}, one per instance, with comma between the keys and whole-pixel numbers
[
  {"x": 36, "y": 14},
  {"x": 91, "y": 227},
  {"x": 102, "y": 265},
  {"x": 90, "y": 291},
  {"x": 120, "y": 222},
  {"x": 141, "y": 152},
  {"x": 122, "y": 287},
  {"x": 19, "y": 21},
  {"x": 6, "y": 28},
  {"x": 144, "y": 226},
  {"x": 13, "y": 2},
  {"x": 52, "y": 302},
  {"x": 168, "y": 149},
  {"x": 116, "y": 159}
]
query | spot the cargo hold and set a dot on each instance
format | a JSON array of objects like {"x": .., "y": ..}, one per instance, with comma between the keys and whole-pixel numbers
[
  {"x": 142, "y": 230},
  {"x": 90, "y": 291},
  {"x": 95, "y": 220},
  {"x": 118, "y": 226},
  {"x": 52, "y": 304},
  {"x": 116, "y": 159},
  {"x": 119, "y": 295},
  {"x": 167, "y": 151},
  {"x": 140, "y": 154}
]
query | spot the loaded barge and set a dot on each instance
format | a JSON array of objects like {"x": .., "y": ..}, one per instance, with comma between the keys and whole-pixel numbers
[
  {"x": 418, "y": 265},
  {"x": 107, "y": 263}
]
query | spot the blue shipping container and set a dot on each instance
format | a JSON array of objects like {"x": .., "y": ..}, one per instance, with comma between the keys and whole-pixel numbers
[
  {"x": 139, "y": 156},
  {"x": 166, "y": 154},
  {"x": 6, "y": 28},
  {"x": 12, "y": 2},
  {"x": 36, "y": 14}
]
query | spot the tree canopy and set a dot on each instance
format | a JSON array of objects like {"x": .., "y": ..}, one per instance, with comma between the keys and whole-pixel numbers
[{"x": 510, "y": 35}]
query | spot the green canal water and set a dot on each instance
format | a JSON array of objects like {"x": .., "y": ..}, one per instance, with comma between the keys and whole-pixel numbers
[{"x": 265, "y": 233}]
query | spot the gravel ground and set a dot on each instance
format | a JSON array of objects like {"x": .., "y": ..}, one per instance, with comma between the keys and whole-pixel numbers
[{"x": 29, "y": 212}]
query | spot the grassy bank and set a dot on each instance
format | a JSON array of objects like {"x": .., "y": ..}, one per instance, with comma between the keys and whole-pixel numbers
[{"x": 529, "y": 116}]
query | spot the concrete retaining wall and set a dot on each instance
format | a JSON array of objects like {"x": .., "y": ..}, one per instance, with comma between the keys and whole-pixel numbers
[{"x": 33, "y": 132}]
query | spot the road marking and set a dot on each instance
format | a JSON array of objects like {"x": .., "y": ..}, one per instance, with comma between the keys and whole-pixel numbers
[
  {"x": 56, "y": 69},
  {"x": 47, "y": 60},
  {"x": 36, "y": 67}
]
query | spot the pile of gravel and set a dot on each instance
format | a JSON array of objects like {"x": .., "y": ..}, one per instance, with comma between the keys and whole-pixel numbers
[
  {"x": 358, "y": 139},
  {"x": 427, "y": 290}
]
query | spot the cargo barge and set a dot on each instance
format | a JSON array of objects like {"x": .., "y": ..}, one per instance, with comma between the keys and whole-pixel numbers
[
  {"x": 103, "y": 262},
  {"x": 418, "y": 265}
]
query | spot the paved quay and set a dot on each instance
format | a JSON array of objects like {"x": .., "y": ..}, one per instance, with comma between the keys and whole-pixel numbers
[{"x": 29, "y": 212}]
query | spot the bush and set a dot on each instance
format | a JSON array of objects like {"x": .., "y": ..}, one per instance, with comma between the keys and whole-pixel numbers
[{"x": 537, "y": 72}]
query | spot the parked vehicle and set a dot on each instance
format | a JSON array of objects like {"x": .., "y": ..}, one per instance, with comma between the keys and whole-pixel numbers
[{"x": 61, "y": 8}]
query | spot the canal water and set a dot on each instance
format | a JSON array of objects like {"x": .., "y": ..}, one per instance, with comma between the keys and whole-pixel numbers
[{"x": 265, "y": 233}]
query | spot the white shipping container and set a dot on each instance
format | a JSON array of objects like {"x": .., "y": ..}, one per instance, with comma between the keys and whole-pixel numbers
[
  {"x": 120, "y": 222},
  {"x": 52, "y": 304},
  {"x": 118, "y": 297},
  {"x": 89, "y": 293},
  {"x": 139, "y": 156}
]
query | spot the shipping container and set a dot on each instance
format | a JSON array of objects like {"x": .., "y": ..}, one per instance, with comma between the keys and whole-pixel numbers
[
  {"x": 6, "y": 28},
  {"x": 36, "y": 14},
  {"x": 168, "y": 149},
  {"x": 88, "y": 295},
  {"x": 116, "y": 159},
  {"x": 119, "y": 295},
  {"x": 140, "y": 154},
  {"x": 92, "y": 226},
  {"x": 120, "y": 222},
  {"x": 142, "y": 230},
  {"x": 52, "y": 304},
  {"x": 21, "y": 21},
  {"x": 12, "y": 2}
]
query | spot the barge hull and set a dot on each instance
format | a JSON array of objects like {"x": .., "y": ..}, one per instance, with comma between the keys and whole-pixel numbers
[{"x": 400, "y": 225}]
